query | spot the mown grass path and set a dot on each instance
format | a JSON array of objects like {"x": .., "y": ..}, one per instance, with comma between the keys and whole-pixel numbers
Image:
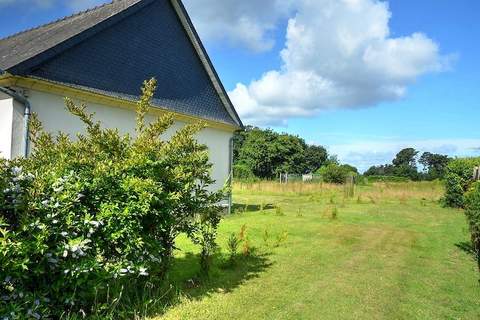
[{"x": 392, "y": 253}]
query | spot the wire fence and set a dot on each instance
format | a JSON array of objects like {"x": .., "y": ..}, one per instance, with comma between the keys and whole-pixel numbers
[{"x": 307, "y": 178}]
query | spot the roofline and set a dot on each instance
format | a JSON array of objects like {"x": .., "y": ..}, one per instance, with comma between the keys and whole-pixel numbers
[
  {"x": 99, "y": 98},
  {"x": 205, "y": 59},
  {"x": 22, "y": 67}
]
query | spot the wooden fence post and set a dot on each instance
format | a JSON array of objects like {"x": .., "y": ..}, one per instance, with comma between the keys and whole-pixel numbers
[{"x": 476, "y": 173}]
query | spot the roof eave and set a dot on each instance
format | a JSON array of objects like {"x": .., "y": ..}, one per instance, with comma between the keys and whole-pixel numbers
[{"x": 205, "y": 59}]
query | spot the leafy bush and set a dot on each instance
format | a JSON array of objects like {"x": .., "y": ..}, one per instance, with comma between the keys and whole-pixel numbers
[
  {"x": 233, "y": 244},
  {"x": 458, "y": 180},
  {"x": 473, "y": 216},
  {"x": 242, "y": 171},
  {"x": 334, "y": 173},
  {"x": 80, "y": 217}
]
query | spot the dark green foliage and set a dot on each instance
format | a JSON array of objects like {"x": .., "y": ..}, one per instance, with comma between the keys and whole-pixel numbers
[
  {"x": 458, "y": 180},
  {"x": 242, "y": 171},
  {"x": 472, "y": 212},
  {"x": 266, "y": 153},
  {"x": 80, "y": 217},
  {"x": 435, "y": 165},
  {"x": 406, "y": 157},
  {"x": 405, "y": 165},
  {"x": 233, "y": 244},
  {"x": 334, "y": 173},
  {"x": 315, "y": 157},
  {"x": 382, "y": 170}
]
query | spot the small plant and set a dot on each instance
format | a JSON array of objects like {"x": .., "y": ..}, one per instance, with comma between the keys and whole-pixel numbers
[
  {"x": 281, "y": 238},
  {"x": 332, "y": 199},
  {"x": 279, "y": 211},
  {"x": 246, "y": 249},
  {"x": 233, "y": 243},
  {"x": 266, "y": 237},
  {"x": 299, "y": 213},
  {"x": 262, "y": 208},
  {"x": 334, "y": 213},
  {"x": 243, "y": 232},
  {"x": 359, "y": 200},
  {"x": 245, "y": 208}
]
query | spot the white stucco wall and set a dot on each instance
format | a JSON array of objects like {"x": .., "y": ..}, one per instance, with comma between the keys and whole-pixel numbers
[
  {"x": 6, "y": 123},
  {"x": 51, "y": 112}
]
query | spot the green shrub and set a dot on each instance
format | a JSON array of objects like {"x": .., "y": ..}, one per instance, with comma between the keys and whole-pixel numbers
[
  {"x": 334, "y": 173},
  {"x": 233, "y": 244},
  {"x": 242, "y": 171},
  {"x": 80, "y": 217},
  {"x": 458, "y": 180},
  {"x": 472, "y": 201}
]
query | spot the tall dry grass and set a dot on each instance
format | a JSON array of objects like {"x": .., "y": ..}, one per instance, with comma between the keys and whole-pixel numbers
[{"x": 375, "y": 192}]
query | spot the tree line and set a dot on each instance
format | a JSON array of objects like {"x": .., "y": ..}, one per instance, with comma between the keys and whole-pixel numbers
[
  {"x": 264, "y": 154},
  {"x": 406, "y": 164}
]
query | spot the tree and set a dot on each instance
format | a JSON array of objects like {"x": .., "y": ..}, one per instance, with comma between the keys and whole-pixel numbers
[
  {"x": 266, "y": 153},
  {"x": 434, "y": 165},
  {"x": 405, "y": 164},
  {"x": 406, "y": 157},
  {"x": 315, "y": 157},
  {"x": 382, "y": 170}
]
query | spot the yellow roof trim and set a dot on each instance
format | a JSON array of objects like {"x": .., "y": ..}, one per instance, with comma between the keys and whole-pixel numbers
[{"x": 93, "y": 97}]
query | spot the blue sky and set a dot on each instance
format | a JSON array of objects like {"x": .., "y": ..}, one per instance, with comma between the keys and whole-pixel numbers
[{"x": 364, "y": 78}]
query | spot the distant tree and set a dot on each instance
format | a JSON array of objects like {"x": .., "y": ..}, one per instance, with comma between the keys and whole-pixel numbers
[
  {"x": 350, "y": 168},
  {"x": 266, "y": 153},
  {"x": 405, "y": 164},
  {"x": 434, "y": 165},
  {"x": 315, "y": 157},
  {"x": 406, "y": 157},
  {"x": 382, "y": 170},
  {"x": 290, "y": 152},
  {"x": 259, "y": 152}
]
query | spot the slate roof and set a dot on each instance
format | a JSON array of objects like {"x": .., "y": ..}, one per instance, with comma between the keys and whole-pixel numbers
[{"x": 112, "y": 48}]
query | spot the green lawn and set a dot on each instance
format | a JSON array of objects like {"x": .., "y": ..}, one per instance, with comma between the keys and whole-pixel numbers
[{"x": 392, "y": 253}]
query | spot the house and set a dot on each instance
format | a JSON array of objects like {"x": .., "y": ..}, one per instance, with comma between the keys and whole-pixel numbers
[{"x": 101, "y": 57}]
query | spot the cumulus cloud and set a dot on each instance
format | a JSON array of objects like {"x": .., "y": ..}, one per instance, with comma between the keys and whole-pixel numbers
[
  {"x": 248, "y": 23},
  {"x": 364, "y": 154},
  {"x": 338, "y": 54},
  {"x": 78, "y": 5}
]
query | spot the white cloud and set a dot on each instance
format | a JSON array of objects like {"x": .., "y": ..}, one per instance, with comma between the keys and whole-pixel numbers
[
  {"x": 364, "y": 154},
  {"x": 79, "y": 5},
  {"x": 248, "y": 23},
  {"x": 338, "y": 54}
]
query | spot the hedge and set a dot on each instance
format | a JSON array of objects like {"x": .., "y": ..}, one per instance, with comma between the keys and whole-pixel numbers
[
  {"x": 472, "y": 212},
  {"x": 458, "y": 180},
  {"x": 81, "y": 217}
]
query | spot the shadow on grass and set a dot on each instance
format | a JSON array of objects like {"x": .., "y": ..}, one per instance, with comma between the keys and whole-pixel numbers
[
  {"x": 223, "y": 278},
  {"x": 240, "y": 207},
  {"x": 142, "y": 300},
  {"x": 466, "y": 247}
]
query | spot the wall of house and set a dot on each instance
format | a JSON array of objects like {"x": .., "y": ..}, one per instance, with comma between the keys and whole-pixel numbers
[
  {"x": 6, "y": 113},
  {"x": 51, "y": 111}
]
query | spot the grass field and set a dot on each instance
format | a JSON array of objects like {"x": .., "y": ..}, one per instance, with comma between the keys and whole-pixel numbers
[{"x": 391, "y": 252}]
